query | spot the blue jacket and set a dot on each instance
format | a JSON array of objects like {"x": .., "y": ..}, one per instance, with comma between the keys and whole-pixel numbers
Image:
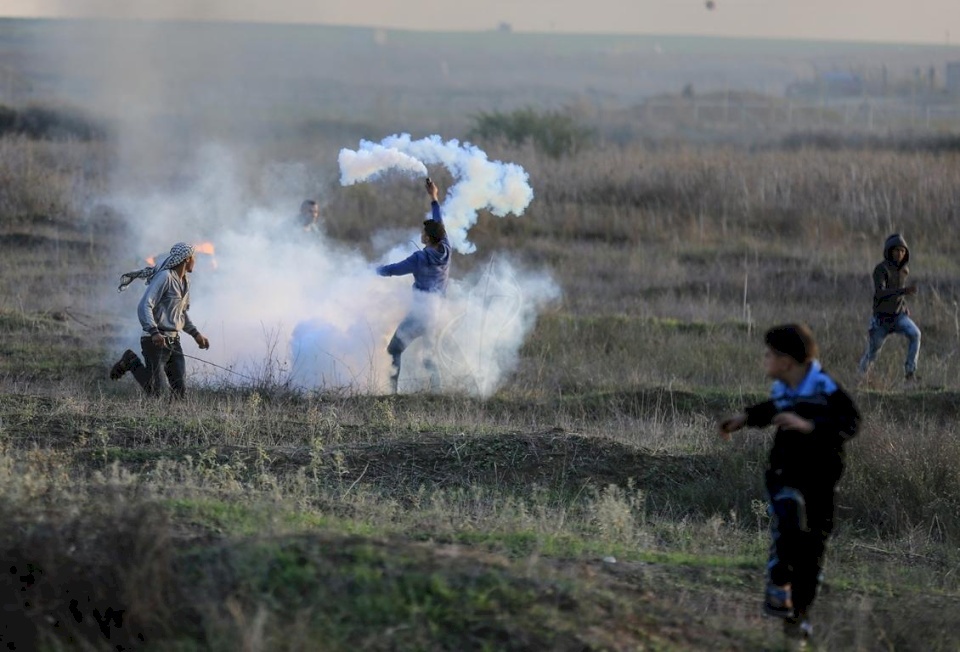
[
  {"x": 814, "y": 459},
  {"x": 430, "y": 267}
]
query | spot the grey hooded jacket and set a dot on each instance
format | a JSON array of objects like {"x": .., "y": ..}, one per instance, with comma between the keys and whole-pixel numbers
[
  {"x": 163, "y": 308},
  {"x": 889, "y": 281}
]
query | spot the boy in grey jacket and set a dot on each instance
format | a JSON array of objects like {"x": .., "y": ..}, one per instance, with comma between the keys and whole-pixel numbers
[
  {"x": 890, "y": 313},
  {"x": 163, "y": 314}
]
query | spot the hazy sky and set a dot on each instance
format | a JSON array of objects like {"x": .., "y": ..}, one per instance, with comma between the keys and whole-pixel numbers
[{"x": 920, "y": 21}]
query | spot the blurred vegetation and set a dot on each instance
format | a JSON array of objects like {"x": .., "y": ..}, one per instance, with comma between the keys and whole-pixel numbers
[
  {"x": 554, "y": 133},
  {"x": 50, "y": 123}
]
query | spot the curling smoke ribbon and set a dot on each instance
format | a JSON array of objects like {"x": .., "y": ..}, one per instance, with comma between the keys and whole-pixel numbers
[{"x": 480, "y": 183}]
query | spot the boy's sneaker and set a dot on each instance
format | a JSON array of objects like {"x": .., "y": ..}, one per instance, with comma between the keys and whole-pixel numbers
[
  {"x": 778, "y": 602},
  {"x": 124, "y": 364},
  {"x": 799, "y": 630},
  {"x": 910, "y": 379}
]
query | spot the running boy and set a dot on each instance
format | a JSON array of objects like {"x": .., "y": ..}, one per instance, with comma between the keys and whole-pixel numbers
[
  {"x": 814, "y": 417},
  {"x": 890, "y": 313}
]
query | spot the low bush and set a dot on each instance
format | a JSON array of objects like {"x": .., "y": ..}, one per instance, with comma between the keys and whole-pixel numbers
[
  {"x": 50, "y": 123},
  {"x": 552, "y": 132}
]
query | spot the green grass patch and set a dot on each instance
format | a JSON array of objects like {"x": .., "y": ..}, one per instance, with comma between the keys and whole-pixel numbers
[{"x": 345, "y": 590}]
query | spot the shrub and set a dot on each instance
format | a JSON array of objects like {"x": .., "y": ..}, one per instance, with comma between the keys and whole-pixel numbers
[
  {"x": 552, "y": 132},
  {"x": 47, "y": 123}
]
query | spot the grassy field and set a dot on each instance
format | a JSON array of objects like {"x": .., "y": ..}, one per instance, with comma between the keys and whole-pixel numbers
[{"x": 587, "y": 505}]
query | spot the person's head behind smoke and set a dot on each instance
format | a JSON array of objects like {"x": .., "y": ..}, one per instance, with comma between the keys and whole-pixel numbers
[{"x": 309, "y": 212}]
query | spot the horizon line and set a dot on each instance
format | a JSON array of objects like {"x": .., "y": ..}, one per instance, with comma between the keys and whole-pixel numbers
[{"x": 489, "y": 30}]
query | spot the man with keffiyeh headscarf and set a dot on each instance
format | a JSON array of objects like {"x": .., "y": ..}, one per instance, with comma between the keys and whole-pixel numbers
[
  {"x": 814, "y": 417},
  {"x": 163, "y": 314}
]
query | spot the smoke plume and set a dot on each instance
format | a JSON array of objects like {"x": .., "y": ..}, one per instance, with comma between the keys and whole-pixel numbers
[
  {"x": 281, "y": 305},
  {"x": 484, "y": 318},
  {"x": 503, "y": 188},
  {"x": 195, "y": 109}
]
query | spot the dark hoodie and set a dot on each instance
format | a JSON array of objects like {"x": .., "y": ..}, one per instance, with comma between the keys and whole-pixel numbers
[{"x": 889, "y": 281}]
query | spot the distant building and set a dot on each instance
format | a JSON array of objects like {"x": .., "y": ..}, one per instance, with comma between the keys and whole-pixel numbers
[
  {"x": 953, "y": 77},
  {"x": 834, "y": 83},
  {"x": 841, "y": 83}
]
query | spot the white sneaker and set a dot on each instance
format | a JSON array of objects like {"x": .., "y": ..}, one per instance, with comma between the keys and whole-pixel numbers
[{"x": 799, "y": 631}]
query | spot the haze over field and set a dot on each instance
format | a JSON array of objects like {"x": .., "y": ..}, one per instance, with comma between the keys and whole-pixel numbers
[
  {"x": 191, "y": 109},
  {"x": 221, "y": 128},
  {"x": 927, "y": 21}
]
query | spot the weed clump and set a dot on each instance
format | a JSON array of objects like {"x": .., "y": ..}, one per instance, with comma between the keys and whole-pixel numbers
[
  {"x": 554, "y": 133},
  {"x": 49, "y": 123}
]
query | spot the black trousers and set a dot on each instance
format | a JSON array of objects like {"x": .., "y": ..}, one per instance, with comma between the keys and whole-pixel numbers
[
  {"x": 801, "y": 522},
  {"x": 161, "y": 362}
]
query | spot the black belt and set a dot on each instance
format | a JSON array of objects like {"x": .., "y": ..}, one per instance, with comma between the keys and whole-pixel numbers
[{"x": 169, "y": 339}]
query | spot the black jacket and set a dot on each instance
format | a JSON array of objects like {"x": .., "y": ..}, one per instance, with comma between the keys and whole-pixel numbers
[{"x": 813, "y": 460}]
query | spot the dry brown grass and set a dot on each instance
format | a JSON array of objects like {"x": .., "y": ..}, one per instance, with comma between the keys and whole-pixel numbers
[{"x": 672, "y": 261}]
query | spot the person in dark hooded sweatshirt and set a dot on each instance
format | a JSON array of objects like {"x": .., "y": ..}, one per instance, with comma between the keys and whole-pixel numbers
[
  {"x": 814, "y": 418},
  {"x": 430, "y": 268},
  {"x": 890, "y": 313}
]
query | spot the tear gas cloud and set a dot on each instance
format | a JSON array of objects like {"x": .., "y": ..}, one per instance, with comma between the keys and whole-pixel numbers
[
  {"x": 187, "y": 102},
  {"x": 503, "y": 188},
  {"x": 284, "y": 305}
]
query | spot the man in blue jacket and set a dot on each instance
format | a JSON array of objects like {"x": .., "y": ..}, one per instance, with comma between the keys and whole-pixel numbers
[{"x": 430, "y": 267}]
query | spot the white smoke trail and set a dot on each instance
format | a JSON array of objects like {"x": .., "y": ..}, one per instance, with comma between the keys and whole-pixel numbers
[
  {"x": 366, "y": 163},
  {"x": 503, "y": 188}
]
